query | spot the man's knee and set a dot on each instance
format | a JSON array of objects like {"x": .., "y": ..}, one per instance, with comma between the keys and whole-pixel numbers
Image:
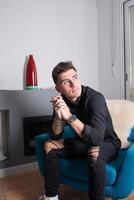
[
  {"x": 52, "y": 152},
  {"x": 95, "y": 162},
  {"x": 49, "y": 145}
]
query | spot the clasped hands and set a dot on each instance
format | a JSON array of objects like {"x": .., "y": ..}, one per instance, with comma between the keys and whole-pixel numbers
[{"x": 62, "y": 111}]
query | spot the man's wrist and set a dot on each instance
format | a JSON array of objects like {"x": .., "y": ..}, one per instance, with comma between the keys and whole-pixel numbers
[
  {"x": 57, "y": 118},
  {"x": 58, "y": 122},
  {"x": 71, "y": 119}
]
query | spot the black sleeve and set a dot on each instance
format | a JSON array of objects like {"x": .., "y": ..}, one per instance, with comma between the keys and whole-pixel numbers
[{"x": 94, "y": 129}]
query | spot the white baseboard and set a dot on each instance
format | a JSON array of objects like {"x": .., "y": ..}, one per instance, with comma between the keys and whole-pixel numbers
[{"x": 18, "y": 169}]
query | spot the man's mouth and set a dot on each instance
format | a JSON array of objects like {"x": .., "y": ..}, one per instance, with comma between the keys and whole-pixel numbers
[{"x": 75, "y": 90}]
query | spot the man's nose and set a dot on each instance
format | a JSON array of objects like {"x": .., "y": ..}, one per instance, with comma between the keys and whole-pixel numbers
[{"x": 72, "y": 84}]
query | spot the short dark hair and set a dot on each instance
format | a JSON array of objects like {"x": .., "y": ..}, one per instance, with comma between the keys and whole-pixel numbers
[{"x": 60, "y": 68}]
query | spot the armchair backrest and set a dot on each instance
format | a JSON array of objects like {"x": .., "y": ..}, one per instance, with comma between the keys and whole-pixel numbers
[{"x": 122, "y": 113}]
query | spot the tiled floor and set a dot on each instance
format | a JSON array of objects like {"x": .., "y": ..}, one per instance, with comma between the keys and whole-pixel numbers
[{"x": 29, "y": 185}]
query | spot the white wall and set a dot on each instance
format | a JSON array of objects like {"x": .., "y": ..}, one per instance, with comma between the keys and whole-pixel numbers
[
  {"x": 110, "y": 48},
  {"x": 51, "y": 30}
]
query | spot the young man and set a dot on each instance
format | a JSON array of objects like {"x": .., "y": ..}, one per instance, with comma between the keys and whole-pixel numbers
[{"x": 85, "y": 110}]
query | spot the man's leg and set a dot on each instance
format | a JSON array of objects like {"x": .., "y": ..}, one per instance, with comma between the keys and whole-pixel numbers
[
  {"x": 52, "y": 171},
  {"x": 73, "y": 149},
  {"x": 97, "y": 172}
]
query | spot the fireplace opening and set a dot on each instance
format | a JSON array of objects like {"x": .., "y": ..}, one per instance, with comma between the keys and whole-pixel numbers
[{"x": 33, "y": 126}]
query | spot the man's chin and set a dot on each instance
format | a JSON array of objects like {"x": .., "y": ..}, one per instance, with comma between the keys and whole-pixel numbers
[
  {"x": 74, "y": 97},
  {"x": 77, "y": 93}
]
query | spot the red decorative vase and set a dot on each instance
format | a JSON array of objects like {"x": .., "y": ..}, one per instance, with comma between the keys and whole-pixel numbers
[{"x": 31, "y": 74}]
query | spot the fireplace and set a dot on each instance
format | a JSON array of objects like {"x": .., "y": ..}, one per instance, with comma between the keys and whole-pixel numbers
[{"x": 33, "y": 126}]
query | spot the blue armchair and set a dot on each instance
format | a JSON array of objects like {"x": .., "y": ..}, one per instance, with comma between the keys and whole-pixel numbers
[{"x": 74, "y": 173}]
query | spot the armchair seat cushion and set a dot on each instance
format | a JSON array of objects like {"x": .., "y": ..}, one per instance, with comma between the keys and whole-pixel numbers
[{"x": 78, "y": 169}]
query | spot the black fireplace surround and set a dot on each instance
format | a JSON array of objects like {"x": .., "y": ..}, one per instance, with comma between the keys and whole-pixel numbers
[{"x": 33, "y": 126}]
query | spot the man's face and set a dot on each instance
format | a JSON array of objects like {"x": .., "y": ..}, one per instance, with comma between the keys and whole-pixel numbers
[{"x": 69, "y": 84}]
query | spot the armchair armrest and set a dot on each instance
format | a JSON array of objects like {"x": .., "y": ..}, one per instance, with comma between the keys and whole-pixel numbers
[
  {"x": 125, "y": 181},
  {"x": 40, "y": 139}
]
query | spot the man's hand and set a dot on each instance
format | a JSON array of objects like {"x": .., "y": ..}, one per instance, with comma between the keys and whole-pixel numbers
[
  {"x": 61, "y": 109},
  {"x": 53, "y": 144}
]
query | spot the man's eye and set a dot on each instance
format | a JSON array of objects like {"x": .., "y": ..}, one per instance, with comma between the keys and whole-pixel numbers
[
  {"x": 76, "y": 77},
  {"x": 65, "y": 82}
]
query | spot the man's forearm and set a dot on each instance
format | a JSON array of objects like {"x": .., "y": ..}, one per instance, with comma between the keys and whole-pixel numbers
[
  {"x": 78, "y": 126},
  {"x": 57, "y": 126}
]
